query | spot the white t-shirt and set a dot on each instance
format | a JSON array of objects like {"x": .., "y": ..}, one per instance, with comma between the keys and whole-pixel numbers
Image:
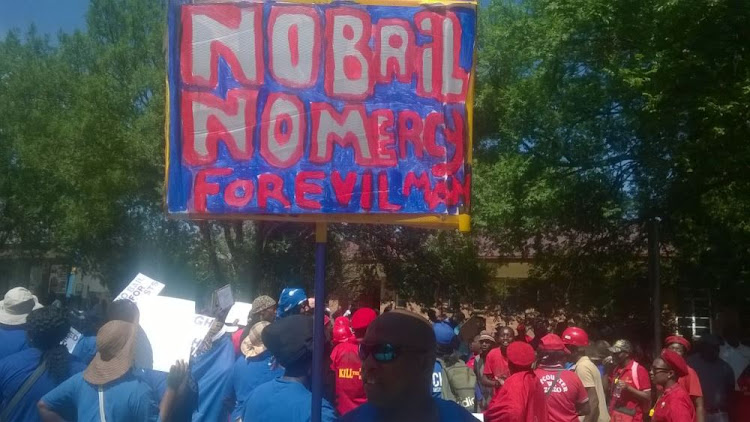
[
  {"x": 737, "y": 357},
  {"x": 591, "y": 377}
]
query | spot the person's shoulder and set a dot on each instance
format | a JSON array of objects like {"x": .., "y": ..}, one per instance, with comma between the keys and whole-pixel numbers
[
  {"x": 76, "y": 365},
  {"x": 453, "y": 412},
  {"x": 363, "y": 413}
]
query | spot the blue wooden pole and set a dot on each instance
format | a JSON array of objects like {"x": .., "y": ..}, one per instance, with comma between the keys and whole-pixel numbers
[{"x": 321, "y": 234}]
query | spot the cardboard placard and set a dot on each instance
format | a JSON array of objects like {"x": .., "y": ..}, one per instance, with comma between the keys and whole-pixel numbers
[
  {"x": 141, "y": 286},
  {"x": 200, "y": 324},
  {"x": 239, "y": 312},
  {"x": 168, "y": 323},
  {"x": 224, "y": 297}
]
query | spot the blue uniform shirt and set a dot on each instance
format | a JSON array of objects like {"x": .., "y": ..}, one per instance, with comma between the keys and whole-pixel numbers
[
  {"x": 282, "y": 400},
  {"x": 15, "y": 370},
  {"x": 184, "y": 407},
  {"x": 448, "y": 411},
  {"x": 211, "y": 371},
  {"x": 85, "y": 349},
  {"x": 247, "y": 374},
  {"x": 126, "y": 399},
  {"x": 12, "y": 339}
]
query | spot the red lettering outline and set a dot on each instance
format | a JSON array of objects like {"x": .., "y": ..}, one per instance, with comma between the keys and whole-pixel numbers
[
  {"x": 276, "y": 191},
  {"x": 230, "y": 193},
  {"x": 265, "y": 151},
  {"x": 361, "y": 46},
  {"x": 303, "y": 187},
  {"x": 343, "y": 188},
  {"x": 300, "y": 10},
  {"x": 391, "y": 66},
  {"x": 202, "y": 188},
  {"x": 349, "y": 139}
]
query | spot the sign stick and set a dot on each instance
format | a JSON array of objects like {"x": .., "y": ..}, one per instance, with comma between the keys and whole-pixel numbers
[{"x": 321, "y": 234}]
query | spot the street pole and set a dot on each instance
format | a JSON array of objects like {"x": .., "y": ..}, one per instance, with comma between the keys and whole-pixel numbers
[
  {"x": 653, "y": 276},
  {"x": 321, "y": 234}
]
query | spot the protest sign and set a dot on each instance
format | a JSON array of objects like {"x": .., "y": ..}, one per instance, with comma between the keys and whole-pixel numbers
[
  {"x": 72, "y": 339},
  {"x": 324, "y": 111},
  {"x": 167, "y": 322},
  {"x": 141, "y": 286},
  {"x": 200, "y": 324},
  {"x": 239, "y": 312},
  {"x": 224, "y": 297}
]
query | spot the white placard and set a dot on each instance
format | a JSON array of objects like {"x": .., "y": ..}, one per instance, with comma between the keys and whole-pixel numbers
[
  {"x": 141, "y": 286},
  {"x": 167, "y": 322},
  {"x": 72, "y": 339},
  {"x": 200, "y": 326},
  {"x": 479, "y": 416},
  {"x": 239, "y": 312},
  {"x": 224, "y": 297}
]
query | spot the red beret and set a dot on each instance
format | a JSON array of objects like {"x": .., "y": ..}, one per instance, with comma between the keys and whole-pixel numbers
[
  {"x": 362, "y": 318},
  {"x": 520, "y": 354},
  {"x": 675, "y": 361},
  {"x": 679, "y": 340},
  {"x": 553, "y": 343}
]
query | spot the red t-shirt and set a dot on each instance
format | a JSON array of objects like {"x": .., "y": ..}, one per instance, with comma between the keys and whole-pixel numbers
[
  {"x": 626, "y": 399},
  {"x": 496, "y": 364},
  {"x": 674, "y": 405},
  {"x": 520, "y": 400},
  {"x": 567, "y": 393},
  {"x": 691, "y": 383},
  {"x": 346, "y": 366}
]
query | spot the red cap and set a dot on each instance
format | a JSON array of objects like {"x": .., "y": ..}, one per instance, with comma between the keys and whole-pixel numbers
[
  {"x": 575, "y": 336},
  {"x": 342, "y": 320},
  {"x": 679, "y": 340},
  {"x": 552, "y": 343},
  {"x": 675, "y": 361},
  {"x": 363, "y": 317},
  {"x": 520, "y": 354},
  {"x": 341, "y": 334}
]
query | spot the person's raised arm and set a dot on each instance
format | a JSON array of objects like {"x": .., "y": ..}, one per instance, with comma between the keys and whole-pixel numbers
[
  {"x": 46, "y": 414},
  {"x": 700, "y": 411},
  {"x": 640, "y": 395},
  {"x": 175, "y": 379}
]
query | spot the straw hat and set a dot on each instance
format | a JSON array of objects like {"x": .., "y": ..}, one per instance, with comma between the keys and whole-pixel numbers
[
  {"x": 253, "y": 345},
  {"x": 17, "y": 305},
  {"x": 114, "y": 353}
]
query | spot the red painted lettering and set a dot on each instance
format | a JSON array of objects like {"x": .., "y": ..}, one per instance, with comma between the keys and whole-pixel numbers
[
  {"x": 282, "y": 130},
  {"x": 202, "y": 188},
  {"x": 271, "y": 186},
  {"x": 294, "y": 43},
  {"x": 303, "y": 187},
  {"x": 349, "y": 128},
  {"x": 409, "y": 130},
  {"x": 366, "y": 199},
  {"x": 348, "y": 73},
  {"x": 238, "y": 193},
  {"x": 394, "y": 50},
  {"x": 383, "y": 202},
  {"x": 343, "y": 188}
]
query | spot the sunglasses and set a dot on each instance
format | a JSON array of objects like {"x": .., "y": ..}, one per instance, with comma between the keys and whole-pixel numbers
[
  {"x": 383, "y": 352},
  {"x": 657, "y": 370}
]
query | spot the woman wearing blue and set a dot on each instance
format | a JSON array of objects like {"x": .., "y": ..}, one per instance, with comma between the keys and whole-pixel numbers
[
  {"x": 109, "y": 390},
  {"x": 287, "y": 398},
  {"x": 28, "y": 375},
  {"x": 211, "y": 370},
  {"x": 14, "y": 309},
  {"x": 398, "y": 354},
  {"x": 254, "y": 368}
]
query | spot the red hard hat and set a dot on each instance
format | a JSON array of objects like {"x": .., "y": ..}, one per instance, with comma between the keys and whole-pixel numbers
[
  {"x": 341, "y": 334},
  {"x": 574, "y": 336},
  {"x": 342, "y": 320}
]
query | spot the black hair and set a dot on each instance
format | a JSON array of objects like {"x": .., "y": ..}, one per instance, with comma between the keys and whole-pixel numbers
[
  {"x": 47, "y": 328},
  {"x": 552, "y": 357},
  {"x": 123, "y": 310},
  {"x": 300, "y": 367}
]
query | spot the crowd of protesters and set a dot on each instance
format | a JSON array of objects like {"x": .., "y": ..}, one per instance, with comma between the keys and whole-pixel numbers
[{"x": 391, "y": 366}]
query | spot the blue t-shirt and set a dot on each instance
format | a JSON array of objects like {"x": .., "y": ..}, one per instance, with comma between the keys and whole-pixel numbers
[
  {"x": 126, "y": 399},
  {"x": 186, "y": 404},
  {"x": 437, "y": 380},
  {"x": 247, "y": 374},
  {"x": 12, "y": 339},
  {"x": 85, "y": 349},
  {"x": 211, "y": 371},
  {"x": 283, "y": 400},
  {"x": 448, "y": 411},
  {"x": 15, "y": 370}
]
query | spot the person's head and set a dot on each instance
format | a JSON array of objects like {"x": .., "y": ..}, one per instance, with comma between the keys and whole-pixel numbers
[
  {"x": 621, "y": 351},
  {"x": 475, "y": 348},
  {"x": 678, "y": 344},
  {"x": 123, "y": 310},
  {"x": 457, "y": 318},
  {"x": 552, "y": 350},
  {"x": 263, "y": 309},
  {"x": 252, "y": 345},
  {"x": 505, "y": 336},
  {"x": 668, "y": 368},
  {"x": 361, "y": 319},
  {"x": 520, "y": 356},
  {"x": 46, "y": 329},
  {"x": 486, "y": 342},
  {"x": 17, "y": 305},
  {"x": 560, "y": 328},
  {"x": 398, "y": 356},
  {"x": 445, "y": 337},
  {"x": 292, "y": 301},
  {"x": 432, "y": 315},
  {"x": 540, "y": 328},
  {"x": 290, "y": 340},
  {"x": 708, "y": 347},
  {"x": 114, "y": 353},
  {"x": 576, "y": 340}
]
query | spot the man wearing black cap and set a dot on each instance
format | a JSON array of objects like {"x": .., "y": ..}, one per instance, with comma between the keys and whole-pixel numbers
[
  {"x": 630, "y": 385},
  {"x": 287, "y": 398},
  {"x": 716, "y": 377},
  {"x": 398, "y": 354}
]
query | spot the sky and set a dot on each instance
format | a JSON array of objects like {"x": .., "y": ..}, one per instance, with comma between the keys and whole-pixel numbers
[{"x": 49, "y": 16}]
